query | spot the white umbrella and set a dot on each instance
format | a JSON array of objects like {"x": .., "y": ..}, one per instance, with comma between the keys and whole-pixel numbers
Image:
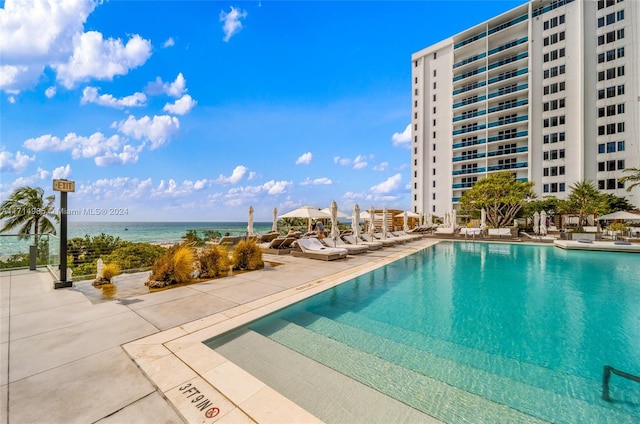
[
  {"x": 536, "y": 222},
  {"x": 334, "y": 222},
  {"x": 250, "y": 222},
  {"x": 429, "y": 220},
  {"x": 274, "y": 225},
  {"x": 355, "y": 222},
  {"x": 385, "y": 225},
  {"x": 454, "y": 218},
  {"x": 372, "y": 224},
  {"x": 621, "y": 215},
  {"x": 308, "y": 212},
  {"x": 483, "y": 219},
  {"x": 543, "y": 223},
  {"x": 341, "y": 215},
  {"x": 406, "y": 221},
  {"x": 409, "y": 214}
]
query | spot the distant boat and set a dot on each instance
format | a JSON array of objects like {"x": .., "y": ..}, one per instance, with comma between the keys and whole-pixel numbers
[{"x": 126, "y": 229}]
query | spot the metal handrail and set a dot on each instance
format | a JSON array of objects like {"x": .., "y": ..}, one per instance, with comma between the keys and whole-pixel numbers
[{"x": 606, "y": 376}]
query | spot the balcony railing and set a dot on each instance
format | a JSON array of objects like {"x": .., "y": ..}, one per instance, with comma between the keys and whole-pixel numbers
[
  {"x": 509, "y": 105},
  {"x": 469, "y": 115},
  {"x": 508, "y": 166},
  {"x": 508, "y": 136},
  {"x": 469, "y": 157},
  {"x": 510, "y": 151},
  {"x": 469, "y": 102},
  {"x": 467, "y": 171},
  {"x": 469, "y": 40},
  {"x": 470, "y": 143},
  {"x": 469, "y": 60},
  {"x": 508, "y": 90},
  {"x": 501, "y": 122},
  {"x": 469, "y": 87},
  {"x": 508, "y": 60},
  {"x": 508, "y": 45},
  {"x": 470, "y": 129},
  {"x": 509, "y": 75},
  {"x": 469, "y": 74},
  {"x": 508, "y": 24}
]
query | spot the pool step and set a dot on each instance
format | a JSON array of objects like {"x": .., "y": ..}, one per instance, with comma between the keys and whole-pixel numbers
[
  {"x": 413, "y": 388},
  {"x": 500, "y": 389}
]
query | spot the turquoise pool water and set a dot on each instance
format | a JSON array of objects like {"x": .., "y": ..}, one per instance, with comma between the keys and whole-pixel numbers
[{"x": 483, "y": 332}]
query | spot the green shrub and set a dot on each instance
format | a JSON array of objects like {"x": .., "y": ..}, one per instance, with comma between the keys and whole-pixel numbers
[
  {"x": 135, "y": 255},
  {"x": 214, "y": 261},
  {"x": 108, "y": 272},
  {"x": 247, "y": 256},
  {"x": 174, "y": 267}
]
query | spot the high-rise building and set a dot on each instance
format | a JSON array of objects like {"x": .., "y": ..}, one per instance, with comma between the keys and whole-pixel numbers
[{"x": 548, "y": 91}]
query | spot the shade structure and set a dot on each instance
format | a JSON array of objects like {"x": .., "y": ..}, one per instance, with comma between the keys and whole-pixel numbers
[
  {"x": 341, "y": 215},
  {"x": 409, "y": 214},
  {"x": 334, "y": 222},
  {"x": 355, "y": 222},
  {"x": 620, "y": 215},
  {"x": 536, "y": 222},
  {"x": 385, "y": 225},
  {"x": 429, "y": 220},
  {"x": 274, "y": 224},
  {"x": 543, "y": 223},
  {"x": 250, "y": 222},
  {"x": 483, "y": 219},
  {"x": 405, "y": 221},
  {"x": 308, "y": 212},
  {"x": 372, "y": 224}
]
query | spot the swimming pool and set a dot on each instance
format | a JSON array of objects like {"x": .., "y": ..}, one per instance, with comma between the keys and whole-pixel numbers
[{"x": 482, "y": 332}]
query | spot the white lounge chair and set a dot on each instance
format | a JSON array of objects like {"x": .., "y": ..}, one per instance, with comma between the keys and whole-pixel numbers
[
  {"x": 371, "y": 245},
  {"x": 353, "y": 249},
  {"x": 367, "y": 237},
  {"x": 312, "y": 248}
]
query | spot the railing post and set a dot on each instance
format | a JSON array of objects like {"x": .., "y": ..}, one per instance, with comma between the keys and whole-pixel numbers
[{"x": 606, "y": 376}]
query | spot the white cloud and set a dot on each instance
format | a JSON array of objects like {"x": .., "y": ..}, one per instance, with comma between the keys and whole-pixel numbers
[
  {"x": 386, "y": 187},
  {"x": 317, "y": 181},
  {"x": 232, "y": 24},
  {"x": 80, "y": 146},
  {"x": 129, "y": 154},
  {"x": 17, "y": 163},
  {"x": 360, "y": 162},
  {"x": 157, "y": 130},
  {"x": 305, "y": 159},
  {"x": 182, "y": 106},
  {"x": 342, "y": 161},
  {"x": 402, "y": 139},
  {"x": 381, "y": 167},
  {"x": 237, "y": 174},
  {"x": 277, "y": 187},
  {"x": 90, "y": 95},
  {"x": 11, "y": 99},
  {"x": 36, "y": 34},
  {"x": 175, "y": 89},
  {"x": 61, "y": 172},
  {"x": 169, "y": 43},
  {"x": 94, "y": 57},
  {"x": 50, "y": 92}
]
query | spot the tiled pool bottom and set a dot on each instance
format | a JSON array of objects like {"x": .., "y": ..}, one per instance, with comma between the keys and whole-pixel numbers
[
  {"x": 471, "y": 374},
  {"x": 185, "y": 370}
]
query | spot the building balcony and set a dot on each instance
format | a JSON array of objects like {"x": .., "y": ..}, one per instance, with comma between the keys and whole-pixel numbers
[
  {"x": 470, "y": 40},
  {"x": 509, "y": 90},
  {"x": 510, "y": 105},
  {"x": 508, "y": 24},
  {"x": 469, "y": 73},
  {"x": 469, "y": 157},
  {"x": 468, "y": 171},
  {"x": 509, "y": 75},
  {"x": 469, "y": 60},
  {"x": 469, "y": 143},
  {"x": 469, "y": 115},
  {"x": 469, "y": 87},
  {"x": 462, "y": 185},
  {"x": 507, "y": 121},
  {"x": 508, "y": 45},
  {"x": 469, "y": 101},
  {"x": 507, "y": 166},
  {"x": 470, "y": 129},
  {"x": 508, "y": 136},
  {"x": 510, "y": 151},
  {"x": 508, "y": 60}
]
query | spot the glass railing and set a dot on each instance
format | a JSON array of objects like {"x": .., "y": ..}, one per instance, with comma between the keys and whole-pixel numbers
[
  {"x": 509, "y": 75},
  {"x": 469, "y": 143},
  {"x": 549, "y": 8},
  {"x": 467, "y": 171},
  {"x": 501, "y": 152},
  {"x": 508, "y": 166},
  {"x": 469, "y": 40},
  {"x": 501, "y": 122},
  {"x": 469, "y": 60},
  {"x": 469, "y": 87},
  {"x": 509, "y": 105},
  {"x": 469, "y": 115},
  {"x": 15, "y": 250},
  {"x": 468, "y": 157},
  {"x": 469, "y": 102},
  {"x": 508, "y": 90},
  {"x": 462, "y": 185},
  {"x": 508, "y": 60},
  {"x": 470, "y": 129},
  {"x": 508, "y": 45},
  {"x": 469, "y": 74},
  {"x": 508, "y": 24}
]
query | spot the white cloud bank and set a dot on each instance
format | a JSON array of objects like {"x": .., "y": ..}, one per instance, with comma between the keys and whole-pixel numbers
[
  {"x": 50, "y": 33},
  {"x": 174, "y": 89},
  {"x": 182, "y": 106},
  {"x": 231, "y": 22},
  {"x": 14, "y": 163},
  {"x": 388, "y": 186},
  {"x": 156, "y": 130},
  {"x": 403, "y": 139},
  {"x": 90, "y": 95},
  {"x": 304, "y": 159}
]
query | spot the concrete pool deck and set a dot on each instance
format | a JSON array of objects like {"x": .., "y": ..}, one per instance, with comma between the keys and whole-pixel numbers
[{"x": 141, "y": 359}]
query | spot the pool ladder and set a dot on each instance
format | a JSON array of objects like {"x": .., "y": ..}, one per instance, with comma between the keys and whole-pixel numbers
[{"x": 606, "y": 376}]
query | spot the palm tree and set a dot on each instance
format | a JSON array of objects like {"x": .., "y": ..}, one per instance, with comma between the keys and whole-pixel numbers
[
  {"x": 635, "y": 177},
  {"x": 28, "y": 210},
  {"x": 585, "y": 199}
]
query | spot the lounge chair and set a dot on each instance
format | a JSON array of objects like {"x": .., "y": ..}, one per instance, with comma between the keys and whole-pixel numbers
[
  {"x": 282, "y": 245},
  {"x": 353, "y": 249},
  {"x": 368, "y": 237},
  {"x": 312, "y": 248},
  {"x": 499, "y": 232},
  {"x": 371, "y": 245},
  {"x": 445, "y": 230},
  {"x": 267, "y": 237}
]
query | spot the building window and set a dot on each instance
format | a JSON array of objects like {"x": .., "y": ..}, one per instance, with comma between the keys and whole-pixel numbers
[
  {"x": 621, "y": 146},
  {"x": 561, "y": 187}
]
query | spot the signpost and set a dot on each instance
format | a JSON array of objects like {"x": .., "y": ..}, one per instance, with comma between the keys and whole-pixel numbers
[{"x": 64, "y": 187}]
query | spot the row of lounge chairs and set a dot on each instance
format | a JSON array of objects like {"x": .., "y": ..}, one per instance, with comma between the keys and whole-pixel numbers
[{"x": 330, "y": 249}]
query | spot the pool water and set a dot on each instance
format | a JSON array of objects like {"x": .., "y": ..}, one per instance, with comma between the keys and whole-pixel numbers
[{"x": 483, "y": 332}]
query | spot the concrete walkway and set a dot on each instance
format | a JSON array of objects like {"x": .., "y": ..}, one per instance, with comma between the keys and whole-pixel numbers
[{"x": 61, "y": 356}]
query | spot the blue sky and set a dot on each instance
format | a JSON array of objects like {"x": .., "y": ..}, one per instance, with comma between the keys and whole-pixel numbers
[{"x": 194, "y": 111}]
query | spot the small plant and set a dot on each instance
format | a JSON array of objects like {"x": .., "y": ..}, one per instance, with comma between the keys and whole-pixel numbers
[
  {"x": 108, "y": 272},
  {"x": 617, "y": 227},
  {"x": 247, "y": 256},
  {"x": 214, "y": 261},
  {"x": 174, "y": 267}
]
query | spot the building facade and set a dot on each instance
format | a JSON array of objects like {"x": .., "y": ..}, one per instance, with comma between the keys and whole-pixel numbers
[{"x": 548, "y": 91}]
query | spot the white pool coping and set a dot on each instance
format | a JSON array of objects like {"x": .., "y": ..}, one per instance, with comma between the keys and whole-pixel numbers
[{"x": 205, "y": 387}]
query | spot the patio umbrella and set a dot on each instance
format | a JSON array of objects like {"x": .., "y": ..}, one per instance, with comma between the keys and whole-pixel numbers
[
  {"x": 406, "y": 221},
  {"x": 274, "y": 225},
  {"x": 355, "y": 222},
  {"x": 250, "y": 222},
  {"x": 372, "y": 224},
  {"x": 308, "y": 212},
  {"x": 454, "y": 218},
  {"x": 543, "y": 223},
  {"x": 341, "y": 215},
  {"x": 536, "y": 222},
  {"x": 334, "y": 222},
  {"x": 483, "y": 219},
  {"x": 385, "y": 225},
  {"x": 621, "y": 215},
  {"x": 429, "y": 220}
]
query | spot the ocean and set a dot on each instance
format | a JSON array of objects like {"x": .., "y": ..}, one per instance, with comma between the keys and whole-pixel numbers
[{"x": 146, "y": 232}]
